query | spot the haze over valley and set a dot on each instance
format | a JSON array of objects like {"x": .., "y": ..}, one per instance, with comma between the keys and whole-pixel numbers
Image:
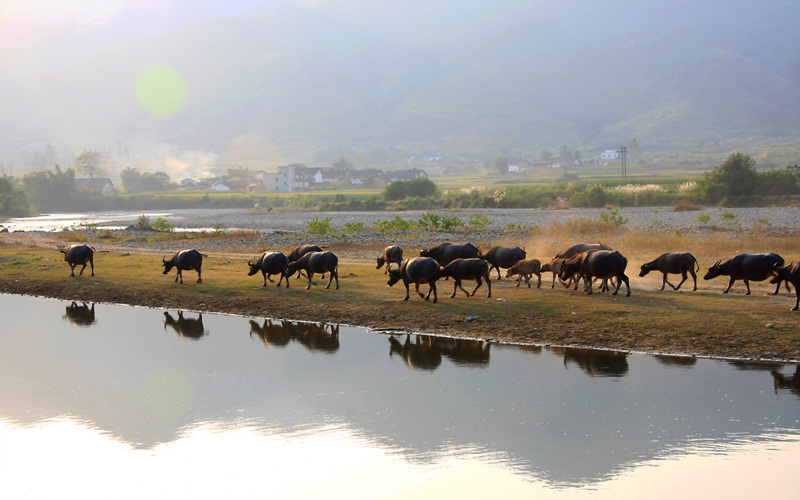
[{"x": 191, "y": 91}]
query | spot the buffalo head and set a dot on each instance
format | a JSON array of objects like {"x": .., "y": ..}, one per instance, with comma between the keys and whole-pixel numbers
[
  {"x": 253, "y": 267},
  {"x": 167, "y": 265},
  {"x": 713, "y": 271},
  {"x": 394, "y": 277}
]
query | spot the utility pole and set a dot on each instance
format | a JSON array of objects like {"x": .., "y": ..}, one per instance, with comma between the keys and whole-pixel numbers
[{"x": 622, "y": 152}]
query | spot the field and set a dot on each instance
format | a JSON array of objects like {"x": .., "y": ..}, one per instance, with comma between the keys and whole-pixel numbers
[{"x": 704, "y": 323}]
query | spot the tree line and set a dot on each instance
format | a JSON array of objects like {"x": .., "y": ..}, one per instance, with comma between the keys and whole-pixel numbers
[{"x": 736, "y": 182}]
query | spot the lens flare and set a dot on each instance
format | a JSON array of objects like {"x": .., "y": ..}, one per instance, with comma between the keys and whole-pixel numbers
[{"x": 160, "y": 90}]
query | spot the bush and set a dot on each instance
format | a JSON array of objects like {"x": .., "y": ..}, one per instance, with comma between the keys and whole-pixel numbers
[{"x": 399, "y": 190}]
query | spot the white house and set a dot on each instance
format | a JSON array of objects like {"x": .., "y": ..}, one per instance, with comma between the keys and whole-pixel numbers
[{"x": 609, "y": 154}]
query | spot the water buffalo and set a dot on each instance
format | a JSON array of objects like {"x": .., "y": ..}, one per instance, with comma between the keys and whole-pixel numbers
[
  {"x": 554, "y": 266},
  {"x": 78, "y": 255},
  {"x": 191, "y": 328},
  {"x": 504, "y": 257},
  {"x": 81, "y": 315},
  {"x": 301, "y": 250},
  {"x": 746, "y": 267},
  {"x": 446, "y": 253},
  {"x": 789, "y": 274},
  {"x": 675, "y": 263},
  {"x": 316, "y": 262},
  {"x": 526, "y": 269},
  {"x": 417, "y": 270},
  {"x": 392, "y": 253},
  {"x": 580, "y": 248},
  {"x": 184, "y": 260},
  {"x": 468, "y": 269},
  {"x": 602, "y": 264},
  {"x": 270, "y": 263}
]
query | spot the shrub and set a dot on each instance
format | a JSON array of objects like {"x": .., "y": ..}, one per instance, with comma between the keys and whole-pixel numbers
[
  {"x": 318, "y": 226},
  {"x": 398, "y": 190},
  {"x": 162, "y": 226}
]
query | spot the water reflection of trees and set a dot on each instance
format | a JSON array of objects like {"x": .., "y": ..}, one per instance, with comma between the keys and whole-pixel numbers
[
  {"x": 322, "y": 337},
  {"x": 190, "y": 328},
  {"x": 80, "y": 315},
  {"x": 595, "y": 363},
  {"x": 426, "y": 351}
]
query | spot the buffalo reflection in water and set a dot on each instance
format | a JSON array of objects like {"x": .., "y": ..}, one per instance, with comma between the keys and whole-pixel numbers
[
  {"x": 80, "y": 315},
  {"x": 191, "y": 328},
  {"x": 790, "y": 383},
  {"x": 322, "y": 337},
  {"x": 426, "y": 352},
  {"x": 596, "y": 363}
]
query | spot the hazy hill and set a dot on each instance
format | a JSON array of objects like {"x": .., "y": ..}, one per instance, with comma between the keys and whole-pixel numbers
[{"x": 463, "y": 78}]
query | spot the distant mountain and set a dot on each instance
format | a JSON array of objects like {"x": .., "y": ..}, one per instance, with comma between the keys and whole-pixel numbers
[{"x": 461, "y": 78}]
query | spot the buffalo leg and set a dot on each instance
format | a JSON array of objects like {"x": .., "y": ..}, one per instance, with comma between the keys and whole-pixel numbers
[
  {"x": 498, "y": 271},
  {"x": 91, "y": 262},
  {"x": 694, "y": 278},
  {"x": 456, "y": 286},
  {"x": 747, "y": 284},
  {"x": 406, "y": 292},
  {"x": 334, "y": 274},
  {"x": 178, "y": 275},
  {"x": 730, "y": 284},
  {"x": 199, "y": 278},
  {"x": 72, "y": 270},
  {"x": 480, "y": 282},
  {"x": 310, "y": 275},
  {"x": 683, "y": 274},
  {"x": 539, "y": 284},
  {"x": 416, "y": 286},
  {"x": 433, "y": 289},
  {"x": 265, "y": 278}
]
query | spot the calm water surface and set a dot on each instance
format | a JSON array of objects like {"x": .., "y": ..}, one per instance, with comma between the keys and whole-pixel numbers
[{"x": 121, "y": 402}]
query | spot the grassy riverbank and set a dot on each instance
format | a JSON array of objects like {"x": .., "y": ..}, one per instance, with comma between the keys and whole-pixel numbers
[{"x": 704, "y": 323}]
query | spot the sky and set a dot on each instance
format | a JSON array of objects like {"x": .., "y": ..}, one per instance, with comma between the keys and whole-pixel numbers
[{"x": 39, "y": 36}]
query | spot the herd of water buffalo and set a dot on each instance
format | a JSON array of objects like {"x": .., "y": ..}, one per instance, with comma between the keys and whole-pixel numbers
[{"x": 581, "y": 262}]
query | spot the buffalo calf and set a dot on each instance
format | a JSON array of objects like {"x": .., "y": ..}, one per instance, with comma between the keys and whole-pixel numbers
[
  {"x": 526, "y": 269},
  {"x": 391, "y": 254}
]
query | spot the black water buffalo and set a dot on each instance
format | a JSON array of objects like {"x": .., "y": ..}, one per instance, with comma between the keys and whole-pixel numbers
[
  {"x": 191, "y": 328},
  {"x": 580, "y": 248},
  {"x": 184, "y": 260},
  {"x": 316, "y": 262},
  {"x": 270, "y": 263},
  {"x": 417, "y": 270},
  {"x": 82, "y": 315},
  {"x": 392, "y": 253},
  {"x": 789, "y": 274},
  {"x": 446, "y": 253},
  {"x": 526, "y": 269},
  {"x": 601, "y": 264},
  {"x": 78, "y": 255},
  {"x": 468, "y": 269},
  {"x": 301, "y": 250},
  {"x": 675, "y": 263},
  {"x": 746, "y": 267},
  {"x": 504, "y": 257}
]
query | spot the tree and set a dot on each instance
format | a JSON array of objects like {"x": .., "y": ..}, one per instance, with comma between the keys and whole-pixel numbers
[
  {"x": 633, "y": 150},
  {"x": 139, "y": 182},
  {"x": 90, "y": 163},
  {"x": 342, "y": 164},
  {"x": 735, "y": 178},
  {"x": 547, "y": 155},
  {"x": 50, "y": 190},
  {"x": 500, "y": 164},
  {"x": 13, "y": 202}
]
